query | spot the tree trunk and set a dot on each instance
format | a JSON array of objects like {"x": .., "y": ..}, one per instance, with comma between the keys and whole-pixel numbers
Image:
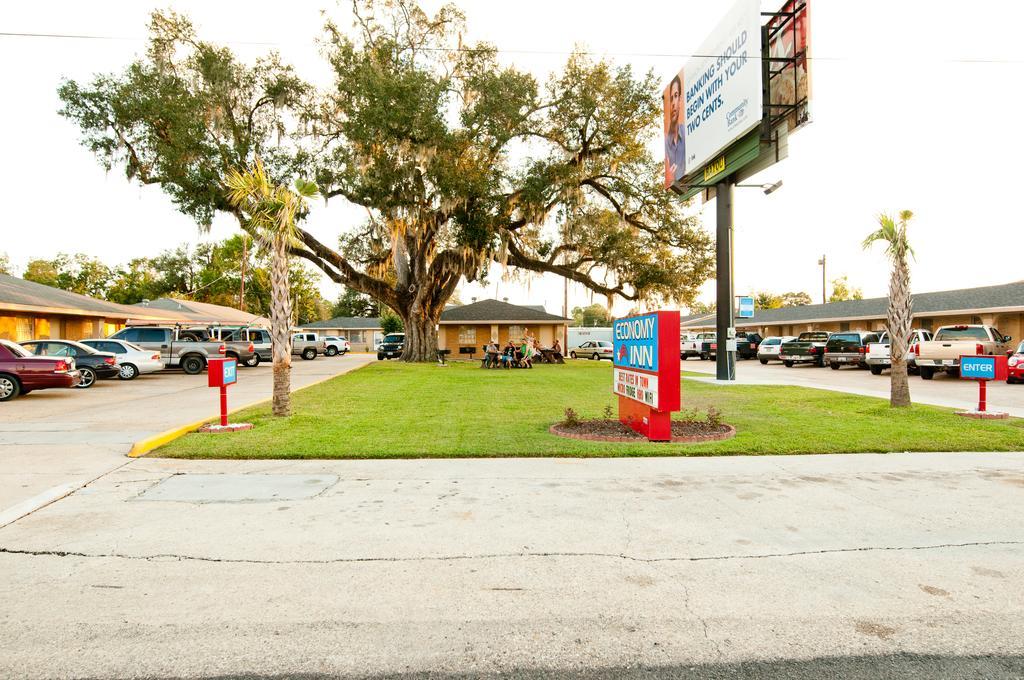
[
  {"x": 420, "y": 338},
  {"x": 280, "y": 326},
  {"x": 900, "y": 316}
]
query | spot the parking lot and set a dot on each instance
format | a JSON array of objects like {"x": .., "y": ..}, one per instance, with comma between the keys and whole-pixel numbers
[
  {"x": 943, "y": 390},
  {"x": 63, "y": 437}
]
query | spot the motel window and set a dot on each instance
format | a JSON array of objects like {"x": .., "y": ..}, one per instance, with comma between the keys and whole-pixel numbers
[
  {"x": 356, "y": 336},
  {"x": 515, "y": 333},
  {"x": 467, "y": 335},
  {"x": 24, "y": 329},
  {"x": 844, "y": 326}
]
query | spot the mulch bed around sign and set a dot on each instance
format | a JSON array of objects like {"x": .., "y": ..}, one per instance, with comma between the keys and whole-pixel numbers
[{"x": 683, "y": 431}]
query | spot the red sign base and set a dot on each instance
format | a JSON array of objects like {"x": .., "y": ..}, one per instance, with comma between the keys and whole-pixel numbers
[{"x": 655, "y": 425}]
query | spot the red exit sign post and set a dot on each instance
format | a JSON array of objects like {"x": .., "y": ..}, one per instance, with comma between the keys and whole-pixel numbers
[
  {"x": 221, "y": 373},
  {"x": 646, "y": 375}
]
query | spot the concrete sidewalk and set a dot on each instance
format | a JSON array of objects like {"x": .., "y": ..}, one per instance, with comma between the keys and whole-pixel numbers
[
  {"x": 54, "y": 439},
  {"x": 526, "y": 568}
]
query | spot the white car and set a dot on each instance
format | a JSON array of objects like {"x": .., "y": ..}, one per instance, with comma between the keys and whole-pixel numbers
[
  {"x": 593, "y": 349},
  {"x": 769, "y": 348},
  {"x": 133, "y": 360},
  {"x": 337, "y": 345}
]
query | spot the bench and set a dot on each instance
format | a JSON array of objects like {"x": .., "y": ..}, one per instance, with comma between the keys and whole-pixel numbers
[
  {"x": 442, "y": 354},
  {"x": 468, "y": 350}
]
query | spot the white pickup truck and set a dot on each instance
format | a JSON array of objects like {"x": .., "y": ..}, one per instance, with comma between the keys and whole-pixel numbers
[
  {"x": 950, "y": 343},
  {"x": 878, "y": 357},
  {"x": 692, "y": 345}
]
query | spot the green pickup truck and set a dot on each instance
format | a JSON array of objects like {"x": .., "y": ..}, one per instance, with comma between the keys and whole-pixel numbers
[{"x": 807, "y": 348}]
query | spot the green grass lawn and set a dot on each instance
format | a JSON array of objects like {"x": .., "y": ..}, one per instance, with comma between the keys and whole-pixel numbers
[{"x": 394, "y": 410}]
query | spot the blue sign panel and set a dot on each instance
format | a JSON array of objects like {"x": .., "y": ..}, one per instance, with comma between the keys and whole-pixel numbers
[
  {"x": 636, "y": 342},
  {"x": 230, "y": 372},
  {"x": 978, "y": 368},
  {"x": 746, "y": 308}
]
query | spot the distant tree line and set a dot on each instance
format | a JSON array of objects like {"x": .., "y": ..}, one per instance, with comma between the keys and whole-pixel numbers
[{"x": 208, "y": 272}]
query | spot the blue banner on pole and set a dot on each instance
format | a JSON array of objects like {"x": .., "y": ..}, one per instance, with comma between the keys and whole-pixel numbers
[{"x": 746, "y": 310}]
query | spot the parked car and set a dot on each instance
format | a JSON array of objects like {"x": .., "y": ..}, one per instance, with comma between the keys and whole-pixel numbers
[
  {"x": 184, "y": 351},
  {"x": 132, "y": 359},
  {"x": 1016, "y": 366},
  {"x": 391, "y": 347},
  {"x": 848, "y": 348},
  {"x": 237, "y": 344},
  {"x": 943, "y": 352},
  {"x": 769, "y": 348},
  {"x": 262, "y": 345},
  {"x": 746, "y": 346},
  {"x": 689, "y": 346},
  {"x": 704, "y": 342},
  {"x": 21, "y": 372},
  {"x": 808, "y": 347},
  {"x": 337, "y": 345},
  {"x": 307, "y": 345},
  {"x": 91, "y": 364},
  {"x": 593, "y": 349},
  {"x": 879, "y": 353}
]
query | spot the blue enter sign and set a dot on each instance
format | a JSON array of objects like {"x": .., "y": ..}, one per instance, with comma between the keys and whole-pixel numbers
[{"x": 978, "y": 368}]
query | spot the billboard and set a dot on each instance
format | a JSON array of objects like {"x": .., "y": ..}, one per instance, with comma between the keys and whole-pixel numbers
[
  {"x": 716, "y": 98},
  {"x": 789, "y": 38}
]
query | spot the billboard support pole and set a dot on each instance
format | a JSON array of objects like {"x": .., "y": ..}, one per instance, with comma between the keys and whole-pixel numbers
[{"x": 725, "y": 359}]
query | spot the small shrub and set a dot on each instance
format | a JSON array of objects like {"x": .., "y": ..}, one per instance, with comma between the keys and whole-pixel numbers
[
  {"x": 571, "y": 417},
  {"x": 714, "y": 417},
  {"x": 608, "y": 413}
]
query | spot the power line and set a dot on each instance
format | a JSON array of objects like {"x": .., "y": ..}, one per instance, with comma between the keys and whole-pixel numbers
[{"x": 657, "y": 55}]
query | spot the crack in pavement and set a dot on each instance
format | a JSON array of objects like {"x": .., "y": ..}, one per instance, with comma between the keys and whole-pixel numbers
[{"x": 485, "y": 556}]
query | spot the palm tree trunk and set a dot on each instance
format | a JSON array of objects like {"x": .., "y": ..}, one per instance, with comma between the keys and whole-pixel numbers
[
  {"x": 900, "y": 313},
  {"x": 280, "y": 326}
]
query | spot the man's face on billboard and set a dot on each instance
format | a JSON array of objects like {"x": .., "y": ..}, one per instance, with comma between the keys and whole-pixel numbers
[{"x": 675, "y": 95}]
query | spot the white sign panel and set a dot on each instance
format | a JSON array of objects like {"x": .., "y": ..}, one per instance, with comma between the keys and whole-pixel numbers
[
  {"x": 642, "y": 387},
  {"x": 716, "y": 98}
]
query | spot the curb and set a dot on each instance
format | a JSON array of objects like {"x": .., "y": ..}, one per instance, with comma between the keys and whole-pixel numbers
[
  {"x": 147, "y": 445},
  {"x": 692, "y": 439}
]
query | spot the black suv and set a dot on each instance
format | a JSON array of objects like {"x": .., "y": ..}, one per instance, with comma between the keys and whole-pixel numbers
[
  {"x": 392, "y": 346},
  {"x": 849, "y": 348}
]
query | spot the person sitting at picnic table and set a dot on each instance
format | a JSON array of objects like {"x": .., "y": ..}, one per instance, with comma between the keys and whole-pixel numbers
[
  {"x": 491, "y": 357},
  {"x": 526, "y": 361},
  {"x": 508, "y": 355},
  {"x": 556, "y": 348}
]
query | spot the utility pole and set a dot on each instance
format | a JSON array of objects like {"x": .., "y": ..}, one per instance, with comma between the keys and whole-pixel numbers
[
  {"x": 821, "y": 262},
  {"x": 245, "y": 261}
]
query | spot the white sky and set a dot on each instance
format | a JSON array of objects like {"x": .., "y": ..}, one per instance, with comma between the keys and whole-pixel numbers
[{"x": 900, "y": 120}]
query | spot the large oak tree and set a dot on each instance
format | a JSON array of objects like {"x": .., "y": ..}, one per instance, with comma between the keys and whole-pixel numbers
[{"x": 459, "y": 163}]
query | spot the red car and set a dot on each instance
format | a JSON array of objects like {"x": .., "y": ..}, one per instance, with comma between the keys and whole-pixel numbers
[
  {"x": 1016, "y": 364},
  {"x": 21, "y": 371}
]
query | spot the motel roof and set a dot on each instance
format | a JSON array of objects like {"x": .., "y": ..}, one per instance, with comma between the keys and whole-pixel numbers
[
  {"x": 495, "y": 311},
  {"x": 1008, "y": 297},
  {"x": 19, "y": 295},
  {"x": 191, "y": 311}
]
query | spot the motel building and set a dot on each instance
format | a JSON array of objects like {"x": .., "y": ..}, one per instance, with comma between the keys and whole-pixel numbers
[
  {"x": 33, "y": 311},
  {"x": 1000, "y": 306},
  {"x": 363, "y": 333},
  {"x": 466, "y": 329}
]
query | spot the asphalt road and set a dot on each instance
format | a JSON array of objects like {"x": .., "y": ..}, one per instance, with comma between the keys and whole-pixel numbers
[
  {"x": 855, "y": 566},
  {"x": 57, "y": 439},
  {"x": 942, "y": 390}
]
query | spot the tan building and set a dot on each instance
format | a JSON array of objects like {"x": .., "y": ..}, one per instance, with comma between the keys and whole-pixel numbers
[
  {"x": 32, "y": 311},
  {"x": 999, "y": 306},
  {"x": 363, "y": 333},
  {"x": 470, "y": 327}
]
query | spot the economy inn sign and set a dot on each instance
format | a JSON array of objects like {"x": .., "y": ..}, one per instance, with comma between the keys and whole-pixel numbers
[{"x": 646, "y": 373}]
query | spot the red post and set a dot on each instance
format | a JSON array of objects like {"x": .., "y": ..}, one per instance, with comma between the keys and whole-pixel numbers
[
  {"x": 982, "y": 395},
  {"x": 224, "y": 405}
]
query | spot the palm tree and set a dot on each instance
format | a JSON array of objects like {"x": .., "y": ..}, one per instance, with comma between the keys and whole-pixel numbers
[
  {"x": 893, "y": 233},
  {"x": 270, "y": 211}
]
